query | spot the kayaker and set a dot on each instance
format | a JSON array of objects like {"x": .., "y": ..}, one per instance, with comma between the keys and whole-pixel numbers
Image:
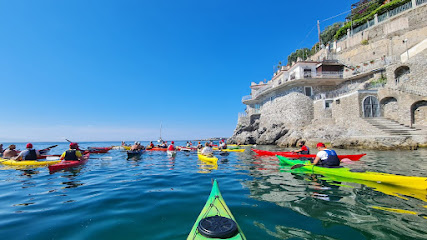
[
  {"x": 188, "y": 144},
  {"x": 326, "y": 157},
  {"x": 134, "y": 147},
  {"x": 72, "y": 154},
  {"x": 222, "y": 145},
  {"x": 150, "y": 146},
  {"x": 163, "y": 145},
  {"x": 207, "y": 150},
  {"x": 1, "y": 148},
  {"x": 303, "y": 148},
  {"x": 28, "y": 154},
  {"x": 10, "y": 152},
  {"x": 171, "y": 147},
  {"x": 199, "y": 146}
]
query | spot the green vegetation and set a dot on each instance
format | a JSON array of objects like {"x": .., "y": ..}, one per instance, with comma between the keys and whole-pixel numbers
[
  {"x": 302, "y": 53},
  {"x": 364, "y": 42},
  {"x": 328, "y": 34},
  {"x": 369, "y": 16}
]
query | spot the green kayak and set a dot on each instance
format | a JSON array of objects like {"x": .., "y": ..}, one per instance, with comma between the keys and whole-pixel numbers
[
  {"x": 384, "y": 178},
  {"x": 216, "y": 221}
]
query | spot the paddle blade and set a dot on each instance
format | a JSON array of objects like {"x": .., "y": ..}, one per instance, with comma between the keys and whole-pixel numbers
[{"x": 52, "y": 158}]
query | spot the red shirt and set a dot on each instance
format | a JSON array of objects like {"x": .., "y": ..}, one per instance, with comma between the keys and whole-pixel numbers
[
  {"x": 304, "y": 148},
  {"x": 171, "y": 148}
]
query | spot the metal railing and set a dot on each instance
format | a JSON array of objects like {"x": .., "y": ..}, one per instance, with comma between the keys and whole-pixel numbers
[
  {"x": 400, "y": 9},
  {"x": 327, "y": 74},
  {"x": 419, "y": 2}
]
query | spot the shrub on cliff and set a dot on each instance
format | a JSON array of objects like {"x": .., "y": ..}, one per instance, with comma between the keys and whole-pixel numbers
[{"x": 380, "y": 10}]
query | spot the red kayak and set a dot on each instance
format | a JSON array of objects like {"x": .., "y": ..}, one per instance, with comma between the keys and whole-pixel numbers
[
  {"x": 68, "y": 164},
  {"x": 354, "y": 157},
  {"x": 157, "y": 149},
  {"x": 96, "y": 150}
]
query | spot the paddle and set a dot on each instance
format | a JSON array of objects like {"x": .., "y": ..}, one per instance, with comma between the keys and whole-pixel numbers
[
  {"x": 224, "y": 153},
  {"x": 79, "y": 146},
  {"x": 41, "y": 151}
]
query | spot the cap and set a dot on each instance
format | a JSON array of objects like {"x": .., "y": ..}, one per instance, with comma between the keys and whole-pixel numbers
[
  {"x": 173, "y": 142},
  {"x": 320, "y": 145},
  {"x": 74, "y": 144},
  {"x": 29, "y": 145}
]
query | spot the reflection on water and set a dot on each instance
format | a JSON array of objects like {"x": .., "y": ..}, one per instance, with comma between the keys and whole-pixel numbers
[
  {"x": 339, "y": 200},
  {"x": 112, "y": 197}
]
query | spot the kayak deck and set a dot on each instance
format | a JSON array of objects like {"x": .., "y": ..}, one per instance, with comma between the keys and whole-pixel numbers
[
  {"x": 215, "y": 206},
  {"x": 207, "y": 158},
  {"x": 353, "y": 157},
  {"x": 11, "y": 162},
  {"x": 68, "y": 164},
  {"x": 385, "y": 178}
]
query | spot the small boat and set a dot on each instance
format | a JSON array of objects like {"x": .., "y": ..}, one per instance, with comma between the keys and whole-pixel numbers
[
  {"x": 353, "y": 157},
  {"x": 207, "y": 158},
  {"x": 157, "y": 149},
  {"x": 384, "y": 178},
  {"x": 215, "y": 221},
  {"x": 171, "y": 153},
  {"x": 135, "y": 154},
  {"x": 229, "y": 150},
  {"x": 11, "y": 162},
  {"x": 68, "y": 164}
]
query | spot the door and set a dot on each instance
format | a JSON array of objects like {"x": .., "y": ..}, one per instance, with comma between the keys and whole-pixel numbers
[{"x": 371, "y": 107}]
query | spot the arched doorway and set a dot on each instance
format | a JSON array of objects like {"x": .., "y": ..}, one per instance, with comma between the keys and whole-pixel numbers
[
  {"x": 370, "y": 107},
  {"x": 419, "y": 113},
  {"x": 389, "y": 108}
]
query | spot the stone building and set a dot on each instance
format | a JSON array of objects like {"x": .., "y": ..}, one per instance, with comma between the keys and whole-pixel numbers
[{"x": 368, "y": 89}]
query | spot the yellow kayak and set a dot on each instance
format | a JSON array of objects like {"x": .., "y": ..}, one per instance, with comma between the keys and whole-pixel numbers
[
  {"x": 235, "y": 145},
  {"x": 233, "y": 150},
  {"x": 27, "y": 163},
  {"x": 207, "y": 158}
]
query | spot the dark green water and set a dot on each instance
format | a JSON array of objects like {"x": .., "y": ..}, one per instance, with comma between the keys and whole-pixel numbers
[{"x": 160, "y": 198}]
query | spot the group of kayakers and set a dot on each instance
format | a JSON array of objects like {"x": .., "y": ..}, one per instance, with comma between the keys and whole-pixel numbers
[
  {"x": 325, "y": 157},
  {"x": 31, "y": 154}
]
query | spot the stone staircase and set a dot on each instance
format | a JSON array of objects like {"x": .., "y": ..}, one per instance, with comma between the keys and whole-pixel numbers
[{"x": 394, "y": 128}]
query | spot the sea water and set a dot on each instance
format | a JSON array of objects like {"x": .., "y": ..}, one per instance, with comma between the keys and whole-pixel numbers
[{"x": 157, "y": 197}]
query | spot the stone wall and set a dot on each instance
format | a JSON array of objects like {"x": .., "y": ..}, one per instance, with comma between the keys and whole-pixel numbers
[
  {"x": 385, "y": 39},
  {"x": 292, "y": 110}
]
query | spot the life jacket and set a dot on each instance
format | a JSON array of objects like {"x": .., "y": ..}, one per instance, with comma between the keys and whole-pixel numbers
[
  {"x": 70, "y": 155},
  {"x": 332, "y": 159},
  {"x": 306, "y": 151},
  {"x": 171, "y": 148},
  {"x": 32, "y": 155}
]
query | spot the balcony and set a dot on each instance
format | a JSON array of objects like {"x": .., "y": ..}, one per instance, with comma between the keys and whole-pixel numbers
[
  {"x": 329, "y": 74},
  {"x": 246, "y": 98}
]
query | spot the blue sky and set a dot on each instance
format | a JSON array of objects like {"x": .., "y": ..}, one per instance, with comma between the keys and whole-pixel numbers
[{"x": 114, "y": 70}]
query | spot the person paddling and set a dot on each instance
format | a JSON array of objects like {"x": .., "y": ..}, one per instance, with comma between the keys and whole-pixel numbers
[
  {"x": 150, "y": 146},
  {"x": 207, "y": 150},
  {"x": 72, "y": 154},
  {"x": 134, "y": 147},
  {"x": 171, "y": 147},
  {"x": 199, "y": 146},
  {"x": 28, "y": 154},
  {"x": 326, "y": 157},
  {"x": 303, "y": 148},
  {"x": 222, "y": 145},
  {"x": 10, "y": 152}
]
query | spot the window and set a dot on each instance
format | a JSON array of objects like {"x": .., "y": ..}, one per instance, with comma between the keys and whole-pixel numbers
[
  {"x": 308, "y": 91},
  {"x": 401, "y": 74},
  {"x": 307, "y": 73},
  {"x": 328, "y": 103}
]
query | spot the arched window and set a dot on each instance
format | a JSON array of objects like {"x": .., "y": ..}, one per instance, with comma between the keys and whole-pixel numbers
[
  {"x": 419, "y": 113},
  {"x": 401, "y": 74},
  {"x": 370, "y": 107}
]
